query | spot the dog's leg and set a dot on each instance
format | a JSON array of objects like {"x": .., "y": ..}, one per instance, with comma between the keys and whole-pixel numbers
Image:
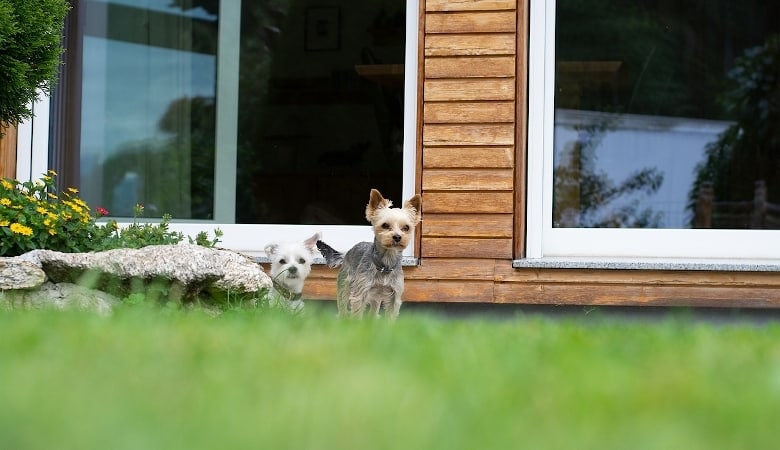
[
  {"x": 356, "y": 305},
  {"x": 375, "y": 306},
  {"x": 342, "y": 294},
  {"x": 392, "y": 309}
]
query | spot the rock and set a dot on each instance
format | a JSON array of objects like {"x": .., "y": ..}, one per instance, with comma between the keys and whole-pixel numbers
[
  {"x": 59, "y": 296},
  {"x": 189, "y": 272},
  {"x": 17, "y": 274}
]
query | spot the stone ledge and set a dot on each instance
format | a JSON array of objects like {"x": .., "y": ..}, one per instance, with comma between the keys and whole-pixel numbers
[{"x": 711, "y": 265}]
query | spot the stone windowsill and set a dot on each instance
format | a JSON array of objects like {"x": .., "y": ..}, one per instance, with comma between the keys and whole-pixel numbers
[{"x": 747, "y": 265}]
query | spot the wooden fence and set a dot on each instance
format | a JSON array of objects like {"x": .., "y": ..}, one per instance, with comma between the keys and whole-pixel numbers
[{"x": 756, "y": 214}]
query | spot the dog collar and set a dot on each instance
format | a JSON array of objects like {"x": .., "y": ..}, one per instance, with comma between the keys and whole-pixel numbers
[
  {"x": 286, "y": 293},
  {"x": 380, "y": 267}
]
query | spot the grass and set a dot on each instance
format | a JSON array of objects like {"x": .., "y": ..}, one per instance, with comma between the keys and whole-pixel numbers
[{"x": 157, "y": 379}]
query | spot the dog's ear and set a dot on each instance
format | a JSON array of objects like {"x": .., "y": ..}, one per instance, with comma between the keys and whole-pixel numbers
[
  {"x": 271, "y": 249},
  {"x": 375, "y": 203},
  {"x": 413, "y": 205},
  {"x": 311, "y": 243}
]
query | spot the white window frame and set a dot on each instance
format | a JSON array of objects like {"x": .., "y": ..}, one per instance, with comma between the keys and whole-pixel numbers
[
  {"x": 543, "y": 241},
  {"x": 250, "y": 238}
]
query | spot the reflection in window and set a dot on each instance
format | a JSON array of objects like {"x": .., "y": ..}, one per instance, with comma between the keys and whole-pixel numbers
[
  {"x": 320, "y": 109},
  {"x": 148, "y": 90},
  {"x": 664, "y": 114}
]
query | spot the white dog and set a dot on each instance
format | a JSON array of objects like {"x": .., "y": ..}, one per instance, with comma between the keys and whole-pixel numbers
[{"x": 290, "y": 265}]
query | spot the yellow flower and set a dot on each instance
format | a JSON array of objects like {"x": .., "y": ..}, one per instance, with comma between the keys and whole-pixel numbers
[
  {"x": 51, "y": 195},
  {"x": 41, "y": 210},
  {"x": 52, "y": 231},
  {"x": 4, "y": 223},
  {"x": 73, "y": 190},
  {"x": 52, "y": 173},
  {"x": 47, "y": 222},
  {"x": 5, "y": 202},
  {"x": 7, "y": 185},
  {"x": 74, "y": 206},
  {"x": 18, "y": 228}
]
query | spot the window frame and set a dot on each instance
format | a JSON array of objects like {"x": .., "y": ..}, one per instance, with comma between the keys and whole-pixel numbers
[
  {"x": 543, "y": 241},
  {"x": 35, "y": 159}
]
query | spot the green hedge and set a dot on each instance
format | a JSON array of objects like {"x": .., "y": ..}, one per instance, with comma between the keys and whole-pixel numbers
[{"x": 30, "y": 49}]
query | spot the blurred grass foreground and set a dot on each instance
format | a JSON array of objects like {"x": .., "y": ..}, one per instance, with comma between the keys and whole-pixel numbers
[{"x": 150, "y": 379}]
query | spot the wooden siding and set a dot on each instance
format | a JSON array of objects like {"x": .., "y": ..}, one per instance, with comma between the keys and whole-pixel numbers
[
  {"x": 468, "y": 138},
  {"x": 8, "y": 152},
  {"x": 484, "y": 279}
]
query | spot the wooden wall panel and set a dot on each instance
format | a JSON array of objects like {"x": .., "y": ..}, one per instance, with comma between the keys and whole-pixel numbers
[
  {"x": 470, "y": 44},
  {"x": 470, "y": 67},
  {"x": 468, "y": 179},
  {"x": 468, "y": 225},
  {"x": 456, "y": 291},
  {"x": 486, "y": 279},
  {"x": 471, "y": 22},
  {"x": 441, "y": 90},
  {"x": 468, "y": 134},
  {"x": 452, "y": 269},
  {"x": 636, "y": 295},
  {"x": 464, "y": 157},
  {"x": 8, "y": 152},
  {"x": 469, "y": 5},
  {"x": 459, "y": 247},
  {"x": 469, "y": 112},
  {"x": 467, "y": 202},
  {"x": 506, "y": 273}
]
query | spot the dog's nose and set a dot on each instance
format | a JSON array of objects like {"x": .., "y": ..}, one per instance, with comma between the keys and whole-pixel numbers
[
  {"x": 397, "y": 237},
  {"x": 292, "y": 269}
]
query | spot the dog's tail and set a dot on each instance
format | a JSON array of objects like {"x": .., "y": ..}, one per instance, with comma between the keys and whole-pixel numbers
[{"x": 333, "y": 257}]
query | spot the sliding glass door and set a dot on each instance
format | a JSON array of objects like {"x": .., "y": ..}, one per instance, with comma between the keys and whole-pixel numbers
[
  {"x": 260, "y": 117},
  {"x": 652, "y": 129}
]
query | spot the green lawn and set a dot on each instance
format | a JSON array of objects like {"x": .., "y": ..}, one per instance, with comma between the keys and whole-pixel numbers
[{"x": 157, "y": 379}]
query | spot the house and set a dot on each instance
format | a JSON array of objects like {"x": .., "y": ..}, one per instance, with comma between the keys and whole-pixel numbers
[{"x": 568, "y": 153}]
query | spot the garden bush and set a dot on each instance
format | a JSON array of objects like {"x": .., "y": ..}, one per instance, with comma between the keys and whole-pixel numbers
[
  {"x": 30, "y": 49},
  {"x": 35, "y": 215}
]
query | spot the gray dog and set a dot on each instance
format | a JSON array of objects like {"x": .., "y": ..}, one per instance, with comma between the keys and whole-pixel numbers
[{"x": 371, "y": 274}]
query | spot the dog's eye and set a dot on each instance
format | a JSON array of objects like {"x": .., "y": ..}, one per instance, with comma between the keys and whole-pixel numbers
[
  {"x": 405, "y": 228},
  {"x": 385, "y": 226},
  {"x": 282, "y": 261},
  {"x": 301, "y": 261}
]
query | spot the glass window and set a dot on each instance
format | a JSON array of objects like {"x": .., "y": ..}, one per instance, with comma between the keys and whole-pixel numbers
[
  {"x": 663, "y": 112},
  {"x": 656, "y": 115},
  {"x": 148, "y": 93},
  {"x": 273, "y": 112}
]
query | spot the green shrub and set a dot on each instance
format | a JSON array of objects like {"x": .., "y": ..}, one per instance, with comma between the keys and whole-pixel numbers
[
  {"x": 33, "y": 215},
  {"x": 30, "y": 49}
]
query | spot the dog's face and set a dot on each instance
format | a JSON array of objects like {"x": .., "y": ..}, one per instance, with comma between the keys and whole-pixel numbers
[
  {"x": 291, "y": 261},
  {"x": 392, "y": 226}
]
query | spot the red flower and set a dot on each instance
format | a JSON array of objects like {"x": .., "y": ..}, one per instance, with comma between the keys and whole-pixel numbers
[{"x": 101, "y": 211}]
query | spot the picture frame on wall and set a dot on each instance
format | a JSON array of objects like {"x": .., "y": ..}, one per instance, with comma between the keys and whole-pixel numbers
[{"x": 323, "y": 28}]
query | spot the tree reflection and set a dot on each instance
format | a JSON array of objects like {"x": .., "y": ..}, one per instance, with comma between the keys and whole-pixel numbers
[
  {"x": 585, "y": 196},
  {"x": 749, "y": 150}
]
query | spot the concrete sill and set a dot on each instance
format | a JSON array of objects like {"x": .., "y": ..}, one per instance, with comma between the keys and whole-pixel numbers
[{"x": 713, "y": 265}]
